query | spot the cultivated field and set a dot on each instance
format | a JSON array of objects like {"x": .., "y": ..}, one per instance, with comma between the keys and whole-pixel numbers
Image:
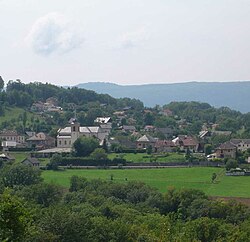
[{"x": 198, "y": 178}]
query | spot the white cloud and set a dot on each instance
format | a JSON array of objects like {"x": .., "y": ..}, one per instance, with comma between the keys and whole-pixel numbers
[
  {"x": 133, "y": 39},
  {"x": 54, "y": 33}
]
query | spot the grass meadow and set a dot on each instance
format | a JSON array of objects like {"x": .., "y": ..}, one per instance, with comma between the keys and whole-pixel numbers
[
  {"x": 144, "y": 157},
  {"x": 197, "y": 178}
]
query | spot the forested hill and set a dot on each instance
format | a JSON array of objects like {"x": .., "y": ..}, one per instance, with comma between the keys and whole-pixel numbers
[
  {"x": 234, "y": 95},
  {"x": 23, "y": 95}
]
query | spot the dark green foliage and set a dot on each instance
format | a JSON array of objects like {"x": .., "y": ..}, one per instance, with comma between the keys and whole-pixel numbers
[
  {"x": 84, "y": 146},
  {"x": 231, "y": 164},
  {"x": 15, "y": 219},
  {"x": 1, "y": 83},
  {"x": 99, "y": 154},
  {"x": 42, "y": 193},
  {"x": 214, "y": 176},
  {"x": 19, "y": 175},
  {"x": 208, "y": 149},
  {"x": 54, "y": 162},
  {"x": 149, "y": 150},
  {"x": 95, "y": 210}
]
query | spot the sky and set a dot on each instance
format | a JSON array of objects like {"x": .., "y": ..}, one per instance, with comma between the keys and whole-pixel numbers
[{"x": 124, "y": 41}]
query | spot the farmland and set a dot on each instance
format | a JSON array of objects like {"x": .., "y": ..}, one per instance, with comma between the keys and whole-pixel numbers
[{"x": 197, "y": 178}]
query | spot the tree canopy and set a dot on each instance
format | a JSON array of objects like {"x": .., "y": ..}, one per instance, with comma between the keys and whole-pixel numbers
[{"x": 84, "y": 146}]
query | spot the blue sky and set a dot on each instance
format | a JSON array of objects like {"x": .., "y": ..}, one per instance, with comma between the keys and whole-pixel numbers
[{"x": 124, "y": 41}]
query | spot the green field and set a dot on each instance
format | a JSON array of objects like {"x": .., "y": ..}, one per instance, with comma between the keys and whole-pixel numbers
[
  {"x": 13, "y": 115},
  {"x": 20, "y": 156},
  {"x": 198, "y": 178},
  {"x": 144, "y": 157}
]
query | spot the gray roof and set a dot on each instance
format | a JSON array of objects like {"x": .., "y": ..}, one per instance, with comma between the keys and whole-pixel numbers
[
  {"x": 87, "y": 130},
  {"x": 227, "y": 145},
  {"x": 218, "y": 132},
  {"x": 129, "y": 127},
  {"x": 237, "y": 141},
  {"x": 56, "y": 150},
  {"x": 8, "y": 133},
  {"x": 31, "y": 160},
  {"x": 36, "y": 137},
  {"x": 106, "y": 126},
  {"x": 146, "y": 138}
]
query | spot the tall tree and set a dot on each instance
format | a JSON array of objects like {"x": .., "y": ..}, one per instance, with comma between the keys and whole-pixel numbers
[
  {"x": 1, "y": 83},
  {"x": 84, "y": 146}
]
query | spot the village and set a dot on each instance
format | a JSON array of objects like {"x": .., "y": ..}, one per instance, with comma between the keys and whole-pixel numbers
[{"x": 121, "y": 134}]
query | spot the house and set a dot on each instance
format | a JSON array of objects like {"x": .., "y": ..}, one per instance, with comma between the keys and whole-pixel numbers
[
  {"x": 131, "y": 121},
  {"x": 120, "y": 114},
  {"x": 30, "y": 133},
  {"x": 124, "y": 142},
  {"x": 166, "y": 112},
  {"x": 103, "y": 120},
  {"x": 145, "y": 141},
  {"x": 225, "y": 133},
  {"x": 8, "y": 144},
  {"x": 226, "y": 150},
  {"x": 128, "y": 128},
  {"x": 11, "y": 135},
  {"x": 41, "y": 141},
  {"x": 185, "y": 142},
  {"x": 6, "y": 157},
  {"x": 204, "y": 134},
  {"x": 31, "y": 161},
  {"x": 49, "y": 106},
  {"x": 241, "y": 144},
  {"x": 167, "y": 132},
  {"x": 149, "y": 128},
  {"x": 52, "y": 101},
  {"x": 164, "y": 146},
  {"x": 68, "y": 135},
  {"x": 37, "y": 107},
  {"x": 127, "y": 108},
  {"x": 106, "y": 128}
]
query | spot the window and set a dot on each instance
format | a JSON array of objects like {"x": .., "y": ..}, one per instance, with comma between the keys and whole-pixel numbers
[
  {"x": 60, "y": 142},
  {"x": 65, "y": 142}
]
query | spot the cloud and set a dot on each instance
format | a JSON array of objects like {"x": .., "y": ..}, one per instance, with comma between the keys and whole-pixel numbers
[
  {"x": 53, "y": 33},
  {"x": 133, "y": 39}
]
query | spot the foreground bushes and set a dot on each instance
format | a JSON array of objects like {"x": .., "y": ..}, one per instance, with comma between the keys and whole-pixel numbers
[{"x": 106, "y": 211}]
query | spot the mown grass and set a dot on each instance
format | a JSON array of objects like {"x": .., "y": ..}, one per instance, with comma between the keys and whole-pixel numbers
[
  {"x": 144, "y": 157},
  {"x": 197, "y": 178}
]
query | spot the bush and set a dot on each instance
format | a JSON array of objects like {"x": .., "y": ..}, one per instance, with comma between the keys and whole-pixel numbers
[{"x": 231, "y": 164}]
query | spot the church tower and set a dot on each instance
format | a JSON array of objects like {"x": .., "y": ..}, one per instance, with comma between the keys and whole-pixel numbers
[{"x": 75, "y": 131}]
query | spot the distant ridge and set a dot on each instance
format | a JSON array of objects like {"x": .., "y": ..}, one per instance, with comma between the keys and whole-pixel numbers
[{"x": 235, "y": 95}]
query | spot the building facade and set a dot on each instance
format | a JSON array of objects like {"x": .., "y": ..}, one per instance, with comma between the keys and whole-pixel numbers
[{"x": 68, "y": 135}]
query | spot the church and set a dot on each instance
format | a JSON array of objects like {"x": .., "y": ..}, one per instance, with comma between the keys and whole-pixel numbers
[{"x": 68, "y": 135}]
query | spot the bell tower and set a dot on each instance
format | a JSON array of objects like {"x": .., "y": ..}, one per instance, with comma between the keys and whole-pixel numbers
[{"x": 75, "y": 131}]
